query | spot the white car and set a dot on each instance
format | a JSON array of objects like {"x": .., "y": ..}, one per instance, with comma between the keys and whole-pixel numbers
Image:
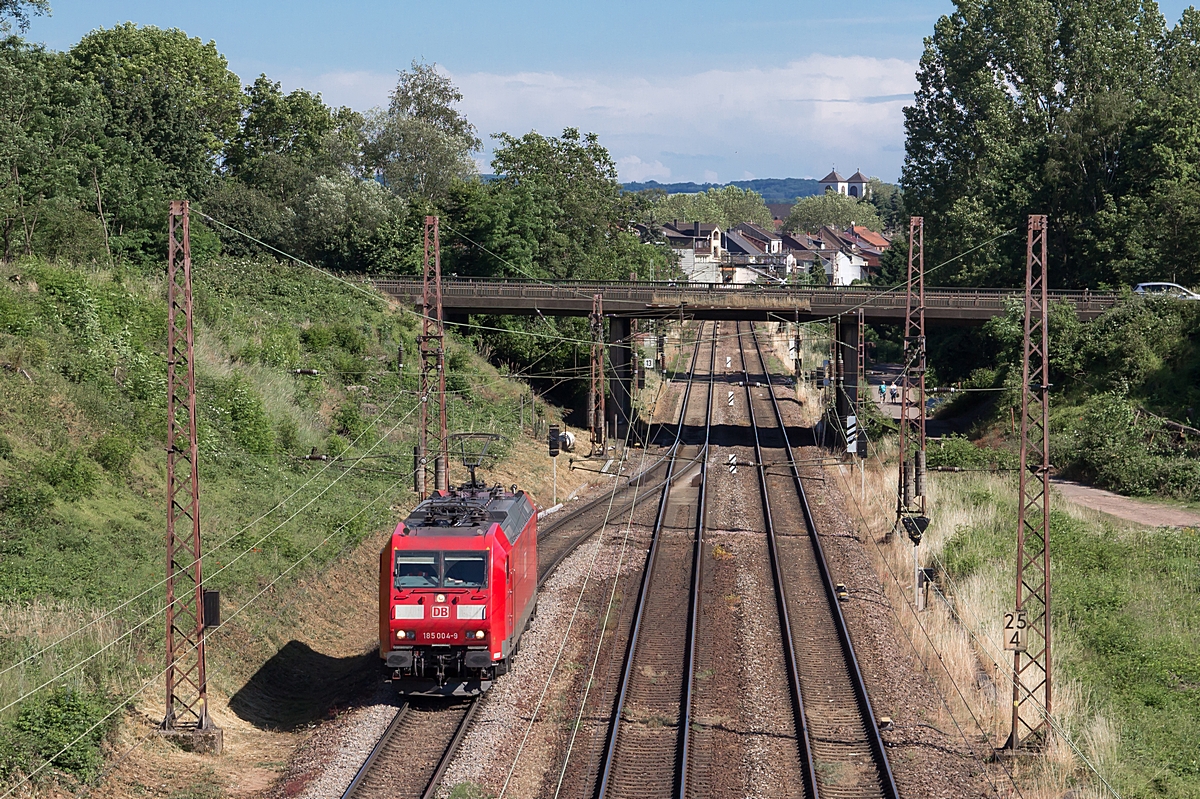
[{"x": 1173, "y": 290}]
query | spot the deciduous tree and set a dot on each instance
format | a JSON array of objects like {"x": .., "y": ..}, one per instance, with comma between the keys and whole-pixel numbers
[{"x": 831, "y": 208}]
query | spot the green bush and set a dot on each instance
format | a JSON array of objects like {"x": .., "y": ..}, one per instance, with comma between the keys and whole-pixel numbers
[
  {"x": 287, "y": 435},
  {"x": 351, "y": 339},
  {"x": 6, "y": 447},
  {"x": 72, "y": 476},
  {"x": 239, "y": 411},
  {"x": 26, "y": 496},
  {"x": 317, "y": 338},
  {"x": 1107, "y": 443},
  {"x": 49, "y": 723},
  {"x": 348, "y": 421},
  {"x": 280, "y": 347},
  {"x": 956, "y": 450},
  {"x": 113, "y": 452},
  {"x": 350, "y": 368}
]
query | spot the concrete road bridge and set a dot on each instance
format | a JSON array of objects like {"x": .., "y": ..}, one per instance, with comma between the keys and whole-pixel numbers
[
  {"x": 755, "y": 302},
  {"x": 627, "y": 300}
]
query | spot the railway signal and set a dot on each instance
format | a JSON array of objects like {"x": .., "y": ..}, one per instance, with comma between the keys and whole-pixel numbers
[
  {"x": 597, "y": 419},
  {"x": 553, "y": 442}
]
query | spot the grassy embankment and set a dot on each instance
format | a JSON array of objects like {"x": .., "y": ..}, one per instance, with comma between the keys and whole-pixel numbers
[
  {"x": 1126, "y": 626},
  {"x": 82, "y": 472}
]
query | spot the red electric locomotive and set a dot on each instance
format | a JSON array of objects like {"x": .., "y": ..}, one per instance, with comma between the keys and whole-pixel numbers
[{"x": 458, "y": 585}]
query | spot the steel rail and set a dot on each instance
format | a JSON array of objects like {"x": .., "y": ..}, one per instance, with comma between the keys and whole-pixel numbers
[
  {"x": 356, "y": 785},
  {"x": 365, "y": 768},
  {"x": 634, "y": 483},
  {"x": 617, "y": 511},
  {"x": 451, "y": 749},
  {"x": 609, "y": 756},
  {"x": 888, "y": 783},
  {"x": 689, "y": 664},
  {"x": 785, "y": 623}
]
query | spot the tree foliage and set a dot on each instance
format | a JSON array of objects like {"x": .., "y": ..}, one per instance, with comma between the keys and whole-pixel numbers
[
  {"x": 725, "y": 207},
  {"x": 1083, "y": 111},
  {"x": 809, "y": 214},
  {"x": 18, "y": 12},
  {"x": 420, "y": 146}
]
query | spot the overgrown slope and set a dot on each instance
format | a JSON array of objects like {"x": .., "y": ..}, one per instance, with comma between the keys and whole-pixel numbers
[{"x": 82, "y": 469}]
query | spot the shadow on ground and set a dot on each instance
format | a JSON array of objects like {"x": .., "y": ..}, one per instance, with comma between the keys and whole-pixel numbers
[{"x": 299, "y": 685}]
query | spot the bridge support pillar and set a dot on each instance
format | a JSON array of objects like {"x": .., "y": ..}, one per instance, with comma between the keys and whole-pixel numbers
[
  {"x": 620, "y": 355},
  {"x": 848, "y": 374}
]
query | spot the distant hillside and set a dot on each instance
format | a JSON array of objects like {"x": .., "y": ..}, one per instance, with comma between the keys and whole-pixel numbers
[{"x": 773, "y": 190}]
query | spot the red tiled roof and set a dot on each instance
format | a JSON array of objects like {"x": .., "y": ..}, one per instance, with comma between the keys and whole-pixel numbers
[{"x": 871, "y": 237}]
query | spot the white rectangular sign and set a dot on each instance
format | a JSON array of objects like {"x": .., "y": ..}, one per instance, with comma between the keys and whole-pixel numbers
[{"x": 1016, "y": 630}]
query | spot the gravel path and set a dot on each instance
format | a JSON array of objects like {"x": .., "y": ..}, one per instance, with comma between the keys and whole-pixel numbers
[{"x": 1133, "y": 510}]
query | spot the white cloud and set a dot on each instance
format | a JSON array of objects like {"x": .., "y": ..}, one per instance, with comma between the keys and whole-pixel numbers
[
  {"x": 359, "y": 90},
  {"x": 634, "y": 170},
  {"x": 787, "y": 120},
  {"x": 794, "y": 119}
]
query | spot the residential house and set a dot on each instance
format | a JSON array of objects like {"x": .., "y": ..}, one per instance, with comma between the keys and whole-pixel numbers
[
  {"x": 745, "y": 259},
  {"x": 699, "y": 247},
  {"x": 779, "y": 213}
]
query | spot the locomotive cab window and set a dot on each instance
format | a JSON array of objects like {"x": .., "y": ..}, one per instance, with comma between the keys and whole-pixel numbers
[
  {"x": 417, "y": 569},
  {"x": 465, "y": 570}
]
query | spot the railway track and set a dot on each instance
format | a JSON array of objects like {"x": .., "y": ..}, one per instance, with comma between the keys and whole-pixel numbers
[
  {"x": 841, "y": 752},
  {"x": 647, "y": 744},
  {"x": 414, "y": 751}
]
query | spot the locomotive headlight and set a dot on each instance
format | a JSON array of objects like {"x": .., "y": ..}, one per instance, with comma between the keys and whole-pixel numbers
[
  {"x": 479, "y": 634},
  {"x": 400, "y": 634}
]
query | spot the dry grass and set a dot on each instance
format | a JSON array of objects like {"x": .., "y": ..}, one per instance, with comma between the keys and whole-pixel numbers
[{"x": 959, "y": 636}]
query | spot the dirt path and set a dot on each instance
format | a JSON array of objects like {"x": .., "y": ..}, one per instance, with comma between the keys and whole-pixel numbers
[{"x": 1133, "y": 510}]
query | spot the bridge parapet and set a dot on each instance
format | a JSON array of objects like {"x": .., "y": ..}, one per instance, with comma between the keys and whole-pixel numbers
[{"x": 948, "y": 306}]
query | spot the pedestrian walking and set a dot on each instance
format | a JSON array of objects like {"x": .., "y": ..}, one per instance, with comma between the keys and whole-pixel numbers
[
  {"x": 882, "y": 393},
  {"x": 895, "y": 394}
]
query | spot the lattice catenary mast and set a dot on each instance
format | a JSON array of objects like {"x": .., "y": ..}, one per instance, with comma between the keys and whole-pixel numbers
[
  {"x": 186, "y": 715},
  {"x": 431, "y": 345},
  {"x": 1027, "y": 631},
  {"x": 596, "y": 410},
  {"x": 910, "y": 498}
]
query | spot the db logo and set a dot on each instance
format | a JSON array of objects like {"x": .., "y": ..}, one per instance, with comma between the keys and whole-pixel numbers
[{"x": 440, "y": 611}]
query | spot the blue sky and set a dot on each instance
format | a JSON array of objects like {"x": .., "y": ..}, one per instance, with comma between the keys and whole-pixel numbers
[{"x": 676, "y": 91}]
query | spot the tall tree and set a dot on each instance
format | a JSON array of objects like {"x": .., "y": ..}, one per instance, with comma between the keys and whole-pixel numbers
[
  {"x": 726, "y": 207},
  {"x": 1058, "y": 108},
  {"x": 46, "y": 123},
  {"x": 421, "y": 145},
  {"x": 170, "y": 105},
  {"x": 18, "y": 12},
  {"x": 809, "y": 214}
]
